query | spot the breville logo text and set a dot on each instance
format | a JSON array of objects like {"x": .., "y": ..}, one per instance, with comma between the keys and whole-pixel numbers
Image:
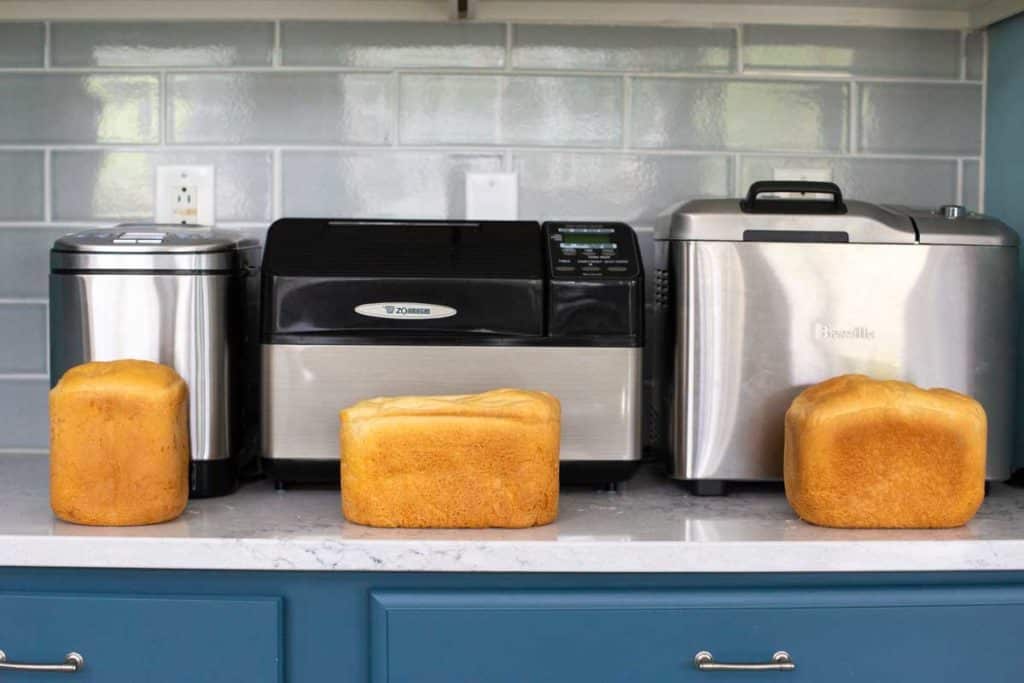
[{"x": 830, "y": 333}]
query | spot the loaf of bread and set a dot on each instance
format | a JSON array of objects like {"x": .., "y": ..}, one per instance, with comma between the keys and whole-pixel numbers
[
  {"x": 119, "y": 452},
  {"x": 481, "y": 460},
  {"x": 862, "y": 453}
]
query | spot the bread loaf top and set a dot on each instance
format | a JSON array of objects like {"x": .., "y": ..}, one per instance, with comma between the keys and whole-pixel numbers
[
  {"x": 854, "y": 393},
  {"x": 142, "y": 376},
  {"x": 513, "y": 404}
]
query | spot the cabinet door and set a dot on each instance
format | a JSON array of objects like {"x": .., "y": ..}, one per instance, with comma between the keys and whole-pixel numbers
[
  {"x": 135, "y": 639},
  {"x": 874, "y": 635}
]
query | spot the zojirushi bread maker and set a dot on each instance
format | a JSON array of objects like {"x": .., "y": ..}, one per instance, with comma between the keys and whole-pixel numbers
[
  {"x": 356, "y": 309},
  {"x": 758, "y": 298}
]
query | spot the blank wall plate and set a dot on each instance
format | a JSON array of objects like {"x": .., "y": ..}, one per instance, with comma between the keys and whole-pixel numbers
[
  {"x": 492, "y": 196},
  {"x": 184, "y": 195}
]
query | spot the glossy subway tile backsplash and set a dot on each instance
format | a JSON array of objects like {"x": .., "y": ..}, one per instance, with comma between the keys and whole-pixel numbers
[{"x": 384, "y": 119}]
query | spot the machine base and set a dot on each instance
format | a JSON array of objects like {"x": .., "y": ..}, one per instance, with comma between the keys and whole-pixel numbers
[
  {"x": 707, "y": 487},
  {"x": 583, "y": 472},
  {"x": 211, "y": 478}
]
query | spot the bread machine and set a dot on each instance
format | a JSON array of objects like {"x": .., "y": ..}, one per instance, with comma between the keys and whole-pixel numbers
[
  {"x": 757, "y": 299},
  {"x": 185, "y": 297},
  {"x": 355, "y": 309}
]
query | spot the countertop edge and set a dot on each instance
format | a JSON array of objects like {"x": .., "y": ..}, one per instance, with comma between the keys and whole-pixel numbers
[{"x": 513, "y": 556}]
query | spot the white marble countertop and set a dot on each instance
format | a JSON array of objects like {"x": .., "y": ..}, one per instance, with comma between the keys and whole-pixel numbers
[{"x": 650, "y": 525}]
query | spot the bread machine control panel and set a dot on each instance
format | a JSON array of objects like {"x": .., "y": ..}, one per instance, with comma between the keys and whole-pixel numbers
[{"x": 591, "y": 250}]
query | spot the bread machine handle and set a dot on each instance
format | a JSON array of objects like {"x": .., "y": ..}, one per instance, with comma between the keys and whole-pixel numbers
[
  {"x": 754, "y": 205},
  {"x": 781, "y": 661}
]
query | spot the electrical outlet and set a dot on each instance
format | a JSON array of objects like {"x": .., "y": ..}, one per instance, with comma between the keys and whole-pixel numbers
[
  {"x": 492, "y": 196},
  {"x": 184, "y": 195}
]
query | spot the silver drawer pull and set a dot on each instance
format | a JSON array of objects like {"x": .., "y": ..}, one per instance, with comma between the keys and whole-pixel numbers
[
  {"x": 72, "y": 663},
  {"x": 781, "y": 661}
]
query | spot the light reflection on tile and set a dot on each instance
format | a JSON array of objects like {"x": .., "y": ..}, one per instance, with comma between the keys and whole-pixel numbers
[
  {"x": 73, "y": 108},
  {"x": 697, "y": 114},
  {"x": 379, "y": 184},
  {"x": 920, "y": 118}
]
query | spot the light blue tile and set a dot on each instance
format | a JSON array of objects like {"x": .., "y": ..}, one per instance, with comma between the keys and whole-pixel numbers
[
  {"x": 857, "y": 51},
  {"x": 114, "y": 186},
  {"x": 280, "y": 108},
  {"x": 974, "y": 54},
  {"x": 24, "y": 413},
  {"x": 972, "y": 186},
  {"x": 628, "y": 187},
  {"x": 917, "y": 118},
  {"x": 23, "y": 338},
  {"x": 79, "y": 108},
  {"x": 379, "y": 184},
  {"x": 21, "y": 185},
  {"x": 21, "y": 44},
  {"x": 158, "y": 43},
  {"x": 914, "y": 182},
  {"x": 623, "y": 48},
  {"x": 698, "y": 114},
  {"x": 386, "y": 44},
  {"x": 529, "y": 110},
  {"x": 25, "y": 261}
]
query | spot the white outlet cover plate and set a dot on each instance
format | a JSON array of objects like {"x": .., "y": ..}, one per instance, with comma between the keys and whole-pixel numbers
[
  {"x": 492, "y": 196},
  {"x": 169, "y": 182}
]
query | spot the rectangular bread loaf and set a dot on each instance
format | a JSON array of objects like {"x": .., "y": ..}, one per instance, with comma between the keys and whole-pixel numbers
[
  {"x": 867, "y": 453},
  {"x": 480, "y": 460}
]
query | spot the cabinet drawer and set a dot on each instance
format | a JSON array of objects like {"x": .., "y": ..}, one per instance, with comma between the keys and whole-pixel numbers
[
  {"x": 143, "y": 638},
  {"x": 928, "y": 634}
]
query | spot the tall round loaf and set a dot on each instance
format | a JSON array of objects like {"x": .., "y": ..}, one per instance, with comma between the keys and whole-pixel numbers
[
  {"x": 862, "y": 453},
  {"x": 119, "y": 452}
]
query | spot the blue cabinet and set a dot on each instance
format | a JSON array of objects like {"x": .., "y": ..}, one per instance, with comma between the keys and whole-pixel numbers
[
  {"x": 377, "y": 627},
  {"x": 933, "y": 634},
  {"x": 143, "y": 638}
]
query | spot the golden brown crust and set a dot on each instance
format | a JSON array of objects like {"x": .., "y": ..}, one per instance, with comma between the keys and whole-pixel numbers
[
  {"x": 862, "y": 453},
  {"x": 481, "y": 460},
  {"x": 119, "y": 451}
]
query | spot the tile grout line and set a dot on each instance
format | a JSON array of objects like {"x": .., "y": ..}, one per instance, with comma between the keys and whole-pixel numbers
[
  {"x": 508, "y": 46},
  {"x": 963, "y": 55},
  {"x": 627, "y": 111},
  {"x": 960, "y": 181},
  {"x": 275, "y": 53},
  {"x": 740, "y": 67},
  {"x": 47, "y": 185},
  {"x": 46, "y": 45},
  {"x": 23, "y": 376},
  {"x": 396, "y": 119},
  {"x": 164, "y": 108},
  {"x": 276, "y": 184},
  {"x": 758, "y": 75},
  {"x": 984, "y": 121},
  {"x": 854, "y": 111},
  {"x": 28, "y": 301}
]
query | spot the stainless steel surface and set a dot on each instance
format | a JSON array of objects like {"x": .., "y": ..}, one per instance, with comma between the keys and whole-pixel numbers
[
  {"x": 180, "y": 320},
  {"x": 156, "y": 247},
  {"x": 972, "y": 229},
  {"x": 723, "y": 220},
  {"x": 755, "y": 323},
  {"x": 305, "y": 386},
  {"x": 72, "y": 663},
  {"x": 781, "y": 661},
  {"x": 953, "y": 211}
]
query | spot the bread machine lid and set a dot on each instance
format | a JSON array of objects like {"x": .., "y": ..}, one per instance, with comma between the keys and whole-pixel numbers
[
  {"x": 149, "y": 247},
  {"x": 324, "y": 277},
  {"x": 952, "y": 224},
  {"x": 764, "y": 217}
]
